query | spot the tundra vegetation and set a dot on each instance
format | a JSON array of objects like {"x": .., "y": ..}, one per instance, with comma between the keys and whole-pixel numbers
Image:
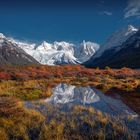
[{"x": 26, "y": 83}]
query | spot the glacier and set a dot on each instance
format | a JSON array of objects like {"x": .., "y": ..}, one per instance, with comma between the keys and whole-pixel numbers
[{"x": 59, "y": 53}]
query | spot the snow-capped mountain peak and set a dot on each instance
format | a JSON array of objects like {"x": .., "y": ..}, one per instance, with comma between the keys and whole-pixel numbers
[
  {"x": 2, "y": 36},
  {"x": 120, "y": 36},
  {"x": 87, "y": 45},
  {"x": 57, "y": 53},
  {"x": 130, "y": 29},
  {"x": 64, "y": 52},
  {"x": 23, "y": 45},
  {"x": 117, "y": 39},
  {"x": 44, "y": 47},
  {"x": 86, "y": 50},
  {"x": 10, "y": 53},
  {"x": 64, "y": 46}
]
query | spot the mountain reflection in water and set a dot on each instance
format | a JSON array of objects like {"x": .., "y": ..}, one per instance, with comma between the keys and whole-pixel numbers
[{"x": 65, "y": 95}]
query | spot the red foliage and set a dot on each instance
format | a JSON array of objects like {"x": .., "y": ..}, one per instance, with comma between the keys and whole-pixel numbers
[
  {"x": 4, "y": 76},
  {"x": 44, "y": 72}
]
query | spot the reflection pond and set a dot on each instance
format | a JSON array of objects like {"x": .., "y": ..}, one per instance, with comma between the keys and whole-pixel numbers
[{"x": 65, "y": 97}]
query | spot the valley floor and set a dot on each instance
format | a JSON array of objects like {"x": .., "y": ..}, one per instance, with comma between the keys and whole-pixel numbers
[{"x": 27, "y": 83}]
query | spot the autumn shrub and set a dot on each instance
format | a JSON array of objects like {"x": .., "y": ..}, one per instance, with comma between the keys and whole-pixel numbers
[
  {"x": 46, "y": 93},
  {"x": 18, "y": 123},
  {"x": 83, "y": 123},
  {"x": 4, "y": 76},
  {"x": 3, "y": 134},
  {"x": 103, "y": 87},
  {"x": 10, "y": 106},
  {"x": 25, "y": 90},
  {"x": 28, "y": 93}
]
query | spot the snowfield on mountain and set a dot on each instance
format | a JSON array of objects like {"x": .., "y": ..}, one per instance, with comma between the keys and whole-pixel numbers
[{"x": 59, "y": 53}]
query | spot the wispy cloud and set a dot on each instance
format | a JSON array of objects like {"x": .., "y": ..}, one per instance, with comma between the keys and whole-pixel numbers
[
  {"x": 106, "y": 13},
  {"x": 132, "y": 9}
]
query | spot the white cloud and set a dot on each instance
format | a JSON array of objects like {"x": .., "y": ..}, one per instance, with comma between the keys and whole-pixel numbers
[
  {"x": 106, "y": 13},
  {"x": 132, "y": 9}
]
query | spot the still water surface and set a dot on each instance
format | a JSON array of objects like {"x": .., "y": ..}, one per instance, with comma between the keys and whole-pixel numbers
[{"x": 66, "y": 96}]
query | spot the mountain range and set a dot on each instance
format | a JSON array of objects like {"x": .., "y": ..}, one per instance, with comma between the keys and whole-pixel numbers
[
  {"x": 122, "y": 49},
  {"x": 59, "y": 53},
  {"x": 11, "y": 54}
]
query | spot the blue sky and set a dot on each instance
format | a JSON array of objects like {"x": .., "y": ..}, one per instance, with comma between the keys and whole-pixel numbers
[{"x": 69, "y": 20}]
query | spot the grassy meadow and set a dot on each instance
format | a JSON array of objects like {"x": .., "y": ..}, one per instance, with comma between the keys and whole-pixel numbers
[{"x": 28, "y": 83}]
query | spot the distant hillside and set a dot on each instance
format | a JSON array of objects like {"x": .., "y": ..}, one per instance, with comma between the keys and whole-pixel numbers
[
  {"x": 125, "y": 55},
  {"x": 12, "y": 55}
]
